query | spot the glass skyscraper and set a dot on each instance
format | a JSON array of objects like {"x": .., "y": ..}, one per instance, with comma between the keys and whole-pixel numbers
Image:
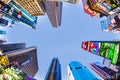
[{"x": 54, "y": 71}]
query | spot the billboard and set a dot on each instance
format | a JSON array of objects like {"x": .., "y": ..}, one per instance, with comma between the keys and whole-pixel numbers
[
  {"x": 3, "y": 59},
  {"x": 94, "y": 47},
  {"x": 107, "y": 50},
  {"x": 110, "y": 50},
  {"x": 85, "y": 45},
  {"x": 116, "y": 55}
]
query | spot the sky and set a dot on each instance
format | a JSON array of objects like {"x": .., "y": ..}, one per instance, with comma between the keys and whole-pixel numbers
[{"x": 63, "y": 42}]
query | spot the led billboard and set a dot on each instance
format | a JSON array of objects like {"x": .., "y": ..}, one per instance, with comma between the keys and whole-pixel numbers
[
  {"x": 116, "y": 54},
  {"x": 94, "y": 47},
  {"x": 85, "y": 45}
]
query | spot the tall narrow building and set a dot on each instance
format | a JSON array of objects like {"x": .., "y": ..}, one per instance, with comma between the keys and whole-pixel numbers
[
  {"x": 26, "y": 57},
  {"x": 76, "y": 71},
  {"x": 54, "y": 12},
  {"x": 54, "y": 71}
]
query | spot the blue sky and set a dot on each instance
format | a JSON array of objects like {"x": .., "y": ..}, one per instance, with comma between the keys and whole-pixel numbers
[{"x": 63, "y": 42}]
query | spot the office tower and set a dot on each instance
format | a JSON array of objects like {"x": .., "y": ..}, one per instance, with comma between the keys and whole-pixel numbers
[
  {"x": 5, "y": 1},
  {"x": 106, "y": 49},
  {"x": 22, "y": 54},
  {"x": 54, "y": 12},
  {"x": 11, "y": 47},
  {"x": 54, "y": 70},
  {"x": 25, "y": 57},
  {"x": 68, "y": 1},
  {"x": 34, "y": 7},
  {"x": 76, "y": 71}
]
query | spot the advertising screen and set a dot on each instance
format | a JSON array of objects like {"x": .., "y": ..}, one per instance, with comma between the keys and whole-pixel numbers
[
  {"x": 104, "y": 49},
  {"x": 110, "y": 50},
  {"x": 116, "y": 54},
  {"x": 94, "y": 47},
  {"x": 85, "y": 45}
]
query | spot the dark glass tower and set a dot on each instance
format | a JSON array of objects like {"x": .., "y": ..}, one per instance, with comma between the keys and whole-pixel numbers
[{"x": 54, "y": 71}]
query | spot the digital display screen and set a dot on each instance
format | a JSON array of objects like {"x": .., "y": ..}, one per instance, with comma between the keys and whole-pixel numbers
[
  {"x": 94, "y": 47},
  {"x": 110, "y": 50},
  {"x": 116, "y": 54},
  {"x": 85, "y": 45},
  {"x": 104, "y": 49}
]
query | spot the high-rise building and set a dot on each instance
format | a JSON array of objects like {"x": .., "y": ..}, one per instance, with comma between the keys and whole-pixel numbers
[
  {"x": 54, "y": 12},
  {"x": 18, "y": 14},
  {"x": 34, "y": 7},
  {"x": 54, "y": 71},
  {"x": 76, "y": 71},
  {"x": 26, "y": 57}
]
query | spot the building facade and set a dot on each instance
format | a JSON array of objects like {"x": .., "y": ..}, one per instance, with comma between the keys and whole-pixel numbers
[
  {"x": 18, "y": 14},
  {"x": 76, "y": 71},
  {"x": 6, "y": 1},
  {"x": 23, "y": 54},
  {"x": 54, "y": 12},
  {"x": 25, "y": 57},
  {"x": 34, "y": 7},
  {"x": 54, "y": 71},
  {"x": 11, "y": 47}
]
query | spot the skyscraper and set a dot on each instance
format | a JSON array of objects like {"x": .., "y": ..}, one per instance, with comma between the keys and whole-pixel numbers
[
  {"x": 34, "y": 7},
  {"x": 54, "y": 12},
  {"x": 76, "y": 71},
  {"x": 26, "y": 57},
  {"x": 18, "y": 14},
  {"x": 54, "y": 71}
]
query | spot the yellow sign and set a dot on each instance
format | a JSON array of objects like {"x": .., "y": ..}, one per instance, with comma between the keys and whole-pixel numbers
[{"x": 3, "y": 60}]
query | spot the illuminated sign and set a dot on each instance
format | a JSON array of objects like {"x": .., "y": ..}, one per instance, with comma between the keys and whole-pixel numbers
[
  {"x": 94, "y": 47},
  {"x": 3, "y": 60},
  {"x": 85, "y": 45},
  {"x": 89, "y": 11}
]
